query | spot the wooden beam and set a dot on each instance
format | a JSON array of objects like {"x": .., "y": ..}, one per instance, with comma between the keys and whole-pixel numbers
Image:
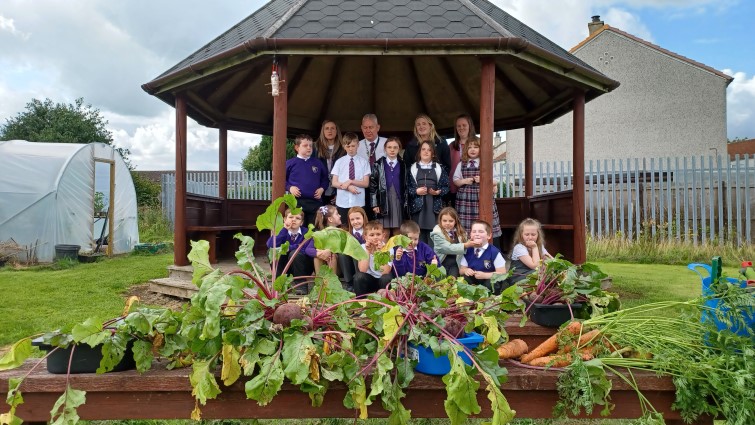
[
  {"x": 200, "y": 105},
  {"x": 509, "y": 85},
  {"x": 487, "y": 112},
  {"x": 325, "y": 99},
  {"x": 236, "y": 92},
  {"x": 529, "y": 174},
  {"x": 457, "y": 85},
  {"x": 418, "y": 85},
  {"x": 297, "y": 76},
  {"x": 223, "y": 162},
  {"x": 578, "y": 191},
  {"x": 280, "y": 125},
  {"x": 179, "y": 225}
]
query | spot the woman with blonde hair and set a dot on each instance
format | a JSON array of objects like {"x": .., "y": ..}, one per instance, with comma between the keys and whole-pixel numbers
[{"x": 424, "y": 130}]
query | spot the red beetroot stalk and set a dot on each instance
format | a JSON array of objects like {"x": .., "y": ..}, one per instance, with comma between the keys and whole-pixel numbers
[
  {"x": 264, "y": 288},
  {"x": 454, "y": 340},
  {"x": 388, "y": 344}
]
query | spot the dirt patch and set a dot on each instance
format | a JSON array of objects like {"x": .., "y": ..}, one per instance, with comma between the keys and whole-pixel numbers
[{"x": 153, "y": 298}]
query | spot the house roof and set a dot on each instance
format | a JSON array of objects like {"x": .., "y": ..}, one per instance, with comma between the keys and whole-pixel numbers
[
  {"x": 655, "y": 47},
  {"x": 741, "y": 147},
  {"x": 394, "y": 58}
]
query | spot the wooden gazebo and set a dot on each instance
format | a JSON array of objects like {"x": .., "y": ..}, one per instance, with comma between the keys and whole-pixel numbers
[{"x": 395, "y": 58}]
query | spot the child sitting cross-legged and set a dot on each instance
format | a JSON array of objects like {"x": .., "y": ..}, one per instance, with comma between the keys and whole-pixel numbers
[
  {"x": 414, "y": 258},
  {"x": 292, "y": 232},
  {"x": 370, "y": 278},
  {"x": 479, "y": 264}
]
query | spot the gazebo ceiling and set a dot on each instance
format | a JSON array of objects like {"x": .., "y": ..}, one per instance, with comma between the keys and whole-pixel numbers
[{"x": 394, "y": 58}]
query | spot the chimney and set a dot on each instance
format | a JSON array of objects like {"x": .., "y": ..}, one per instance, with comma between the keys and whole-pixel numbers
[{"x": 595, "y": 25}]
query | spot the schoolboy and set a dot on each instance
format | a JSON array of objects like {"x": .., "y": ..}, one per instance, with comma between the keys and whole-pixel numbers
[
  {"x": 351, "y": 176},
  {"x": 416, "y": 256},
  {"x": 292, "y": 232},
  {"x": 306, "y": 178},
  {"x": 370, "y": 278},
  {"x": 479, "y": 264}
]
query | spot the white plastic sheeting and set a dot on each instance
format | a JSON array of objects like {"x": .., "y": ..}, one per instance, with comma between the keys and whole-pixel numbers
[{"x": 47, "y": 196}]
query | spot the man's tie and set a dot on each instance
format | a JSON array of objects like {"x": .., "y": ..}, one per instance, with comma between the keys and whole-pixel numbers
[
  {"x": 372, "y": 153},
  {"x": 477, "y": 252},
  {"x": 352, "y": 172}
]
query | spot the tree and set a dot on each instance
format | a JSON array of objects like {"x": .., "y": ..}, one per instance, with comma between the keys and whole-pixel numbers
[
  {"x": 58, "y": 122},
  {"x": 260, "y": 157}
]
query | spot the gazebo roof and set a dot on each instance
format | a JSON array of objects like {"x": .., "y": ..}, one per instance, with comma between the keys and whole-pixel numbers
[{"x": 395, "y": 58}]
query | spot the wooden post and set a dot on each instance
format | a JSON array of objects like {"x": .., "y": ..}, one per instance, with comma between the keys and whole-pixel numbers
[
  {"x": 280, "y": 127},
  {"x": 223, "y": 162},
  {"x": 578, "y": 193},
  {"x": 487, "y": 110},
  {"x": 529, "y": 172},
  {"x": 179, "y": 231},
  {"x": 111, "y": 212}
]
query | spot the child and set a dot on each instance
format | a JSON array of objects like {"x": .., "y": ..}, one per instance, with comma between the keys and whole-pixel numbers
[
  {"x": 388, "y": 187},
  {"x": 450, "y": 241},
  {"x": 292, "y": 233},
  {"x": 479, "y": 264},
  {"x": 369, "y": 278},
  {"x": 467, "y": 179},
  {"x": 427, "y": 182},
  {"x": 351, "y": 176},
  {"x": 327, "y": 216},
  {"x": 417, "y": 254},
  {"x": 528, "y": 251},
  {"x": 306, "y": 178},
  {"x": 357, "y": 218}
]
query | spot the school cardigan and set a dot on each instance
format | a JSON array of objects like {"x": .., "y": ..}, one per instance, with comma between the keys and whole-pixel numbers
[
  {"x": 423, "y": 254},
  {"x": 486, "y": 262},
  {"x": 307, "y": 174},
  {"x": 284, "y": 236},
  {"x": 379, "y": 183},
  {"x": 443, "y": 247}
]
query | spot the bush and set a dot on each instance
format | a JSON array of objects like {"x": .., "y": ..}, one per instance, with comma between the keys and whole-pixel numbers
[
  {"x": 147, "y": 191},
  {"x": 153, "y": 225}
]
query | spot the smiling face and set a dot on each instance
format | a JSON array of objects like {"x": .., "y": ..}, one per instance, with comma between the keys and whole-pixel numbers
[
  {"x": 391, "y": 149},
  {"x": 423, "y": 126},
  {"x": 479, "y": 233},
  {"x": 370, "y": 129},
  {"x": 373, "y": 236},
  {"x": 356, "y": 220},
  {"x": 329, "y": 130},
  {"x": 447, "y": 222},
  {"x": 529, "y": 233},
  {"x": 304, "y": 148},
  {"x": 426, "y": 153},
  {"x": 462, "y": 127}
]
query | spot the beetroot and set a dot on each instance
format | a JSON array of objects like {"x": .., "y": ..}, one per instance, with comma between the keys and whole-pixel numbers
[
  {"x": 285, "y": 313},
  {"x": 454, "y": 327}
]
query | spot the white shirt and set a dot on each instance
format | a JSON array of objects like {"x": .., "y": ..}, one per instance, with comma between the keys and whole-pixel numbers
[
  {"x": 458, "y": 174},
  {"x": 364, "y": 149},
  {"x": 344, "y": 198},
  {"x": 521, "y": 250},
  {"x": 371, "y": 270},
  {"x": 498, "y": 262}
]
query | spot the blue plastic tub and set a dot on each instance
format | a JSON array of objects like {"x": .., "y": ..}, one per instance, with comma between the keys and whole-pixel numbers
[
  {"x": 431, "y": 365},
  {"x": 713, "y": 304}
]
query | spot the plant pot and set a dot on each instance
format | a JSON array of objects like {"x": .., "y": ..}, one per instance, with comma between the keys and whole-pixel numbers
[
  {"x": 551, "y": 315},
  {"x": 70, "y": 252},
  {"x": 90, "y": 258},
  {"x": 85, "y": 358},
  {"x": 428, "y": 364}
]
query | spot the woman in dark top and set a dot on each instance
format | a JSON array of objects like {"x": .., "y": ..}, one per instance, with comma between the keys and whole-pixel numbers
[
  {"x": 328, "y": 149},
  {"x": 424, "y": 129}
]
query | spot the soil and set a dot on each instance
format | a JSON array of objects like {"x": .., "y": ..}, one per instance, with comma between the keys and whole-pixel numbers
[{"x": 153, "y": 298}]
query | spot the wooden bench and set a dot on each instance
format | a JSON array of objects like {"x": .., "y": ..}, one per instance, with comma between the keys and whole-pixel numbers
[
  {"x": 166, "y": 394},
  {"x": 212, "y": 233}
]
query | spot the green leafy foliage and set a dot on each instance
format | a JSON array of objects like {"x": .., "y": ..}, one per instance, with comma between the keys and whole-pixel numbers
[
  {"x": 64, "y": 410},
  {"x": 258, "y": 158},
  {"x": 16, "y": 355}
]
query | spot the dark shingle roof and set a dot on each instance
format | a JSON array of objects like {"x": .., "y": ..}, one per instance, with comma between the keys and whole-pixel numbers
[{"x": 375, "y": 19}]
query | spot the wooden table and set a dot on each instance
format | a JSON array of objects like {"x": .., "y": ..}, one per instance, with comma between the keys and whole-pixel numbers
[{"x": 166, "y": 394}]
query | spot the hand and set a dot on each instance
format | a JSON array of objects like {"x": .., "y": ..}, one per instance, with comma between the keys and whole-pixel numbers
[
  {"x": 295, "y": 191},
  {"x": 434, "y": 261},
  {"x": 482, "y": 275},
  {"x": 318, "y": 193},
  {"x": 422, "y": 190},
  {"x": 476, "y": 178},
  {"x": 435, "y": 192},
  {"x": 376, "y": 210},
  {"x": 354, "y": 190},
  {"x": 473, "y": 244},
  {"x": 469, "y": 272},
  {"x": 530, "y": 244},
  {"x": 399, "y": 253}
]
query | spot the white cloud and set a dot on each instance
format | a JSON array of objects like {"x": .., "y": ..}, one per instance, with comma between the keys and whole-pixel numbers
[
  {"x": 627, "y": 22},
  {"x": 740, "y": 104}
]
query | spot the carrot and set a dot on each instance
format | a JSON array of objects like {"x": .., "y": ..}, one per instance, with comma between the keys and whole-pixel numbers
[
  {"x": 585, "y": 339},
  {"x": 551, "y": 361},
  {"x": 512, "y": 349},
  {"x": 550, "y": 345}
]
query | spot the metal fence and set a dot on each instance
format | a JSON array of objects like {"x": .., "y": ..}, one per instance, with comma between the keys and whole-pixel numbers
[{"x": 690, "y": 199}]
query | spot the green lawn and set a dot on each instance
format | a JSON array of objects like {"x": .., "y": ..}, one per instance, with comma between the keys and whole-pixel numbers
[{"x": 42, "y": 299}]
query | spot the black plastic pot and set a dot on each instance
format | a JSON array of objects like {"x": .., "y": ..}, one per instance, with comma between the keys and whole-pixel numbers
[
  {"x": 551, "y": 315},
  {"x": 85, "y": 358},
  {"x": 67, "y": 251}
]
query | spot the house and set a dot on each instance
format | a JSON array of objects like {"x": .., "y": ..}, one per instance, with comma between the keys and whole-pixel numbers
[
  {"x": 741, "y": 148},
  {"x": 666, "y": 105}
]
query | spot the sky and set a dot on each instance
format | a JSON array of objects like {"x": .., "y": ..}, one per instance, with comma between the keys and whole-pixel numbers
[{"x": 104, "y": 50}]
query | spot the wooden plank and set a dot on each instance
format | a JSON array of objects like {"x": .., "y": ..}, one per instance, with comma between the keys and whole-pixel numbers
[{"x": 173, "y": 287}]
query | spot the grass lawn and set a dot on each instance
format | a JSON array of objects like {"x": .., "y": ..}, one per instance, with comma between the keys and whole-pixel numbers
[{"x": 42, "y": 299}]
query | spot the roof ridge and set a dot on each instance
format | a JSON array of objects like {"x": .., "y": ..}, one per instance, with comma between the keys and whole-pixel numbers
[
  {"x": 485, "y": 17},
  {"x": 653, "y": 46},
  {"x": 283, "y": 19}
]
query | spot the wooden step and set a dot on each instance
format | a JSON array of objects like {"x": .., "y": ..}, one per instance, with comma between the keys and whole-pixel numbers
[{"x": 181, "y": 288}]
